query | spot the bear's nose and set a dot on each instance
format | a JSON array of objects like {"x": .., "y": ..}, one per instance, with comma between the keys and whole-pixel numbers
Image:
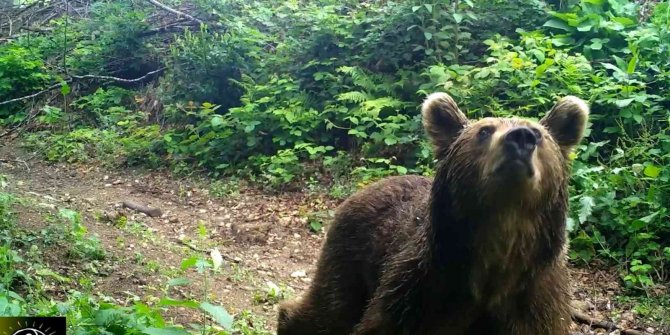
[{"x": 520, "y": 141}]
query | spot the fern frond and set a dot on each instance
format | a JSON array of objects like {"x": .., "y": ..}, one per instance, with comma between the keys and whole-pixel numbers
[
  {"x": 375, "y": 106},
  {"x": 353, "y": 96}
]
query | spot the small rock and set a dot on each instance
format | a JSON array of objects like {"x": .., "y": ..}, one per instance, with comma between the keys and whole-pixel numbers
[
  {"x": 105, "y": 177},
  {"x": 296, "y": 235},
  {"x": 45, "y": 205},
  {"x": 202, "y": 211},
  {"x": 108, "y": 185},
  {"x": 299, "y": 274}
]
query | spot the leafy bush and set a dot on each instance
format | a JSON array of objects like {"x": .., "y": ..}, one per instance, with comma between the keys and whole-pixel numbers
[
  {"x": 22, "y": 72},
  {"x": 329, "y": 92}
]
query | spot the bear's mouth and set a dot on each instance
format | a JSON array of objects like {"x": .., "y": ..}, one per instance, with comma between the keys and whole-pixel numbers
[{"x": 516, "y": 168}]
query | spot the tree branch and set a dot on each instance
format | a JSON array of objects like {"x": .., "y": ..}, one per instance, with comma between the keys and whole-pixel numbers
[
  {"x": 174, "y": 11},
  {"x": 33, "y": 95},
  {"x": 88, "y": 76},
  {"x": 122, "y": 80}
]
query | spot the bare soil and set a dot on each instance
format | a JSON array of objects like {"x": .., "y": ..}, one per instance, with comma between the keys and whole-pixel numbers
[{"x": 263, "y": 237}]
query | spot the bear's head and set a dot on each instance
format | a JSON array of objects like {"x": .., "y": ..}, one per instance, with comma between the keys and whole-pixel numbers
[{"x": 498, "y": 161}]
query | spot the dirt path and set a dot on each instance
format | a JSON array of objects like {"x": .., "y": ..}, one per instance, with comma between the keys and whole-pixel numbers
[{"x": 264, "y": 237}]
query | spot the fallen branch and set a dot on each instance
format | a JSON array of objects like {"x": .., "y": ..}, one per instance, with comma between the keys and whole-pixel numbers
[
  {"x": 88, "y": 76},
  {"x": 153, "y": 212},
  {"x": 122, "y": 80},
  {"x": 174, "y": 11},
  {"x": 582, "y": 318},
  {"x": 50, "y": 88},
  {"x": 15, "y": 161}
]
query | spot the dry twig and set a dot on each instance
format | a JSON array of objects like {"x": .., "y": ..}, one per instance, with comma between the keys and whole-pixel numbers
[
  {"x": 174, "y": 11},
  {"x": 582, "y": 318},
  {"x": 153, "y": 212},
  {"x": 15, "y": 161}
]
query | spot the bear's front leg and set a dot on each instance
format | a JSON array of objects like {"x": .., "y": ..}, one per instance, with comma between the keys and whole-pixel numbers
[
  {"x": 543, "y": 308},
  {"x": 378, "y": 321}
]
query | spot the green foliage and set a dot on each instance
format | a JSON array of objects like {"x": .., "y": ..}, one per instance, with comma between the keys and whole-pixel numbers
[
  {"x": 102, "y": 108},
  {"x": 271, "y": 294},
  {"x": 109, "y": 40},
  {"x": 75, "y": 237},
  {"x": 216, "y": 59},
  {"x": 22, "y": 72},
  {"x": 327, "y": 93}
]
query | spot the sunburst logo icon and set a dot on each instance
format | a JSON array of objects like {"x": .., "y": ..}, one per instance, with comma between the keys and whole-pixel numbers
[{"x": 32, "y": 326}]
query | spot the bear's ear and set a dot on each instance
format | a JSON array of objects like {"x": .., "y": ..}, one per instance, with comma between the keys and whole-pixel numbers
[
  {"x": 443, "y": 120},
  {"x": 566, "y": 121}
]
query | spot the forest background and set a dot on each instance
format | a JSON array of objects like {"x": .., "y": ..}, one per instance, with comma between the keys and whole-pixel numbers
[{"x": 324, "y": 96}]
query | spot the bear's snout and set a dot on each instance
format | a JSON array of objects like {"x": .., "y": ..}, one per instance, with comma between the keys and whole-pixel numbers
[{"x": 520, "y": 142}]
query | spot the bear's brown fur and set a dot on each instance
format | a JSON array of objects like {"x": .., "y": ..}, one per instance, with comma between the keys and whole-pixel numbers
[{"x": 478, "y": 250}]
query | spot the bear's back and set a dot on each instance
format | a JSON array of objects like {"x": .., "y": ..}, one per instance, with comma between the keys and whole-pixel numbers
[{"x": 378, "y": 221}]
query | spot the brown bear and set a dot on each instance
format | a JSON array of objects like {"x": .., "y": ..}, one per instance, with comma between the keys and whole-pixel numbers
[{"x": 480, "y": 249}]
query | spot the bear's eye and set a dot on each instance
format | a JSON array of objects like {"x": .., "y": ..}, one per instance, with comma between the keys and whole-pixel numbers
[
  {"x": 538, "y": 134},
  {"x": 485, "y": 132}
]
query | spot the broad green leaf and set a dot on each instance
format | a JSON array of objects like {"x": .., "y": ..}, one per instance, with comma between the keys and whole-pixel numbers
[
  {"x": 165, "y": 331},
  {"x": 458, "y": 17},
  {"x": 570, "y": 224},
  {"x": 596, "y": 44},
  {"x": 623, "y": 102},
  {"x": 219, "y": 314},
  {"x": 179, "y": 303},
  {"x": 632, "y": 64},
  {"x": 652, "y": 171},
  {"x": 647, "y": 219},
  {"x": 179, "y": 282},
  {"x": 612, "y": 67},
  {"x": 585, "y": 26},
  {"x": 558, "y": 24},
  {"x": 624, "y": 21},
  {"x": 188, "y": 263},
  {"x": 562, "y": 41},
  {"x": 620, "y": 63},
  {"x": 586, "y": 208},
  {"x": 217, "y": 121},
  {"x": 428, "y": 35},
  {"x": 538, "y": 54},
  {"x": 315, "y": 225}
]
